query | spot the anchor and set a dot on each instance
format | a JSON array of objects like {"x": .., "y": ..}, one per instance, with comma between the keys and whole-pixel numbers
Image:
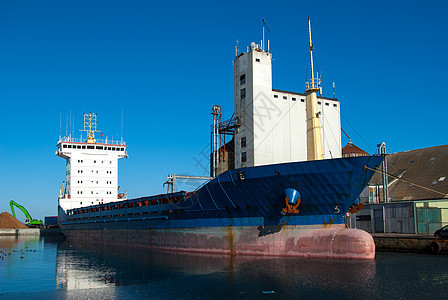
[{"x": 292, "y": 199}]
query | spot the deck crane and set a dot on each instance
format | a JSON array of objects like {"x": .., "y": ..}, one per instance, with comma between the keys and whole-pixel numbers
[
  {"x": 30, "y": 222},
  {"x": 171, "y": 182}
]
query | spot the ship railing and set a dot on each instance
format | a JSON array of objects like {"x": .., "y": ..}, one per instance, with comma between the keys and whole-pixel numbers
[
  {"x": 97, "y": 141},
  {"x": 123, "y": 207},
  {"x": 312, "y": 84}
]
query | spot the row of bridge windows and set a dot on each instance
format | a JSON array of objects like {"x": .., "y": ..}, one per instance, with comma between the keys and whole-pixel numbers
[{"x": 91, "y": 147}]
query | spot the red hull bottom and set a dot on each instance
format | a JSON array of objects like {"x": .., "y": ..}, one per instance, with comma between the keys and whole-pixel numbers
[{"x": 333, "y": 241}]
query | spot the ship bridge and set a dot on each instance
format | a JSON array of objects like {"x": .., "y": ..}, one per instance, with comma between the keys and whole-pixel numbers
[{"x": 91, "y": 168}]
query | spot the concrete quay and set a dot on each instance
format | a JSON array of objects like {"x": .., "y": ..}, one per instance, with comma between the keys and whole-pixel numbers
[
  {"x": 31, "y": 232},
  {"x": 393, "y": 242},
  {"x": 17, "y": 232}
]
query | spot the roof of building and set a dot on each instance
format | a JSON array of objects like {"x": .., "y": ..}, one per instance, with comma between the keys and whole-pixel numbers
[
  {"x": 427, "y": 167},
  {"x": 229, "y": 146},
  {"x": 302, "y": 94},
  {"x": 351, "y": 148}
]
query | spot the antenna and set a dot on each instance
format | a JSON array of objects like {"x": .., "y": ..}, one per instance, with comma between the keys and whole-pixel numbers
[
  {"x": 66, "y": 124},
  {"x": 236, "y": 47},
  {"x": 60, "y": 124},
  {"x": 314, "y": 82},
  {"x": 311, "y": 51},
  {"x": 122, "y": 123},
  {"x": 262, "y": 42},
  {"x": 333, "y": 91},
  {"x": 73, "y": 125},
  {"x": 70, "y": 125}
]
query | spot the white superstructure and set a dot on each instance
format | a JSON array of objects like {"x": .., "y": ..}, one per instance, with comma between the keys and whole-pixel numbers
[
  {"x": 274, "y": 122},
  {"x": 91, "y": 168}
]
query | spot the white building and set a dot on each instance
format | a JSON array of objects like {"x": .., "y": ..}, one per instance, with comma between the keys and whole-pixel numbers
[
  {"x": 92, "y": 168},
  {"x": 273, "y": 122}
]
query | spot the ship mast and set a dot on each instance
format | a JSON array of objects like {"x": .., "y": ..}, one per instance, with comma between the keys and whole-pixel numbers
[
  {"x": 314, "y": 135},
  {"x": 90, "y": 127}
]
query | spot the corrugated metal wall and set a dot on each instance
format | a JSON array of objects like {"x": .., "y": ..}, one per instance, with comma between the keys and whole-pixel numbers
[
  {"x": 385, "y": 217},
  {"x": 412, "y": 217}
]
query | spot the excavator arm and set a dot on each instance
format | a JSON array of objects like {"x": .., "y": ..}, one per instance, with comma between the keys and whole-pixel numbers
[
  {"x": 29, "y": 220},
  {"x": 12, "y": 203}
]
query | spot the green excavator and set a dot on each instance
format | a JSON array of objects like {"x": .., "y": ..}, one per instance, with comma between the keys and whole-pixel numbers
[{"x": 30, "y": 222}]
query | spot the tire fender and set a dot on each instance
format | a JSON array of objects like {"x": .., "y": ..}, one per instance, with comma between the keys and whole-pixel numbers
[{"x": 436, "y": 247}]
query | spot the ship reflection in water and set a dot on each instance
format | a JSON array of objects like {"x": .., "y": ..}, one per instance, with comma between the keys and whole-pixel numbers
[
  {"x": 87, "y": 266},
  {"x": 79, "y": 269},
  {"x": 197, "y": 275},
  {"x": 61, "y": 269}
]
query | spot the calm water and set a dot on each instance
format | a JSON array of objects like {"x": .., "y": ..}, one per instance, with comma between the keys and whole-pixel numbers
[{"x": 47, "y": 268}]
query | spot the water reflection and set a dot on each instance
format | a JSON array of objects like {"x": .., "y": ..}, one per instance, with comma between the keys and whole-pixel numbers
[
  {"x": 61, "y": 269},
  {"x": 27, "y": 263},
  {"x": 79, "y": 270},
  {"x": 88, "y": 265},
  {"x": 124, "y": 266}
]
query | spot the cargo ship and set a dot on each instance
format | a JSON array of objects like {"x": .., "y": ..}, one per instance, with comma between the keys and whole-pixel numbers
[{"x": 279, "y": 187}]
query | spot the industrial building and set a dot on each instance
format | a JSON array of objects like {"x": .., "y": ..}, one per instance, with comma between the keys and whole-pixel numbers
[
  {"x": 350, "y": 150},
  {"x": 269, "y": 126},
  {"x": 417, "y": 201}
]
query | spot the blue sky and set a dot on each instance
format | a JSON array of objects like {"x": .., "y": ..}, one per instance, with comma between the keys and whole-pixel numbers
[{"x": 163, "y": 65}]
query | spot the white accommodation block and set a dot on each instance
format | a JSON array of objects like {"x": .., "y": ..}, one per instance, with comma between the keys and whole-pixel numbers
[{"x": 91, "y": 172}]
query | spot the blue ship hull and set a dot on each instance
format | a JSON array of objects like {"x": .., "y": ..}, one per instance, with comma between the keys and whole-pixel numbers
[
  {"x": 326, "y": 187},
  {"x": 243, "y": 211}
]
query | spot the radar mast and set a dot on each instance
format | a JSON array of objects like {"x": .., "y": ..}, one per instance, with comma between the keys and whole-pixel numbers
[{"x": 90, "y": 127}]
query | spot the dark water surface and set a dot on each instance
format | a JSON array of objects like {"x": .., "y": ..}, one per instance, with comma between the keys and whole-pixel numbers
[{"x": 48, "y": 268}]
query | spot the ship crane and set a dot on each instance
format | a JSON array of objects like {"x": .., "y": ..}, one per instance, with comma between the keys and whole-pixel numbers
[
  {"x": 219, "y": 130},
  {"x": 171, "y": 182}
]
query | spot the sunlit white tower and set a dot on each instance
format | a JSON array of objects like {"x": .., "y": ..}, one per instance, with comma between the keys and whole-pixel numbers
[
  {"x": 91, "y": 168},
  {"x": 253, "y": 107},
  {"x": 279, "y": 126}
]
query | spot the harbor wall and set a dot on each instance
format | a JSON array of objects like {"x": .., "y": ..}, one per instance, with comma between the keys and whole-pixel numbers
[
  {"x": 410, "y": 243},
  {"x": 17, "y": 232},
  {"x": 31, "y": 232}
]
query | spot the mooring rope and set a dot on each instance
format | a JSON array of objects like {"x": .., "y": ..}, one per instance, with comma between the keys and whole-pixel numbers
[{"x": 407, "y": 181}]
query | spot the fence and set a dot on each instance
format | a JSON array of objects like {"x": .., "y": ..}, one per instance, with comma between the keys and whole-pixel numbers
[{"x": 429, "y": 219}]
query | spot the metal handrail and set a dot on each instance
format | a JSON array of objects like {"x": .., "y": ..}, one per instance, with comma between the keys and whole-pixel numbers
[{"x": 97, "y": 141}]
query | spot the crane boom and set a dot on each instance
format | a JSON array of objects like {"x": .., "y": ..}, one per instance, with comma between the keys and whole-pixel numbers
[
  {"x": 172, "y": 180},
  {"x": 29, "y": 220}
]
